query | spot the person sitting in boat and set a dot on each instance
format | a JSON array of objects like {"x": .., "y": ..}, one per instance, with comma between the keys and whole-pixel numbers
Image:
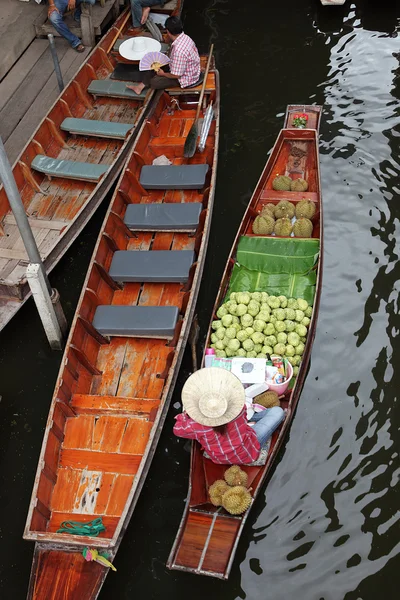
[
  {"x": 184, "y": 66},
  {"x": 215, "y": 415},
  {"x": 141, "y": 9},
  {"x": 56, "y": 12}
]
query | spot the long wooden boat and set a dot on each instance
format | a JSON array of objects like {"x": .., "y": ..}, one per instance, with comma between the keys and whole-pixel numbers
[
  {"x": 70, "y": 163},
  {"x": 117, "y": 375},
  {"x": 207, "y": 538}
]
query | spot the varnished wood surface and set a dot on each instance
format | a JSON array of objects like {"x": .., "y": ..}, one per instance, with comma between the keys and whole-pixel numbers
[
  {"x": 69, "y": 203},
  {"x": 111, "y": 396},
  {"x": 207, "y": 538}
]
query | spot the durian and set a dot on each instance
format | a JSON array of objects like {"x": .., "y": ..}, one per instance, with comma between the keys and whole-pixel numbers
[
  {"x": 267, "y": 399},
  {"x": 269, "y": 209},
  {"x": 236, "y": 500},
  {"x": 263, "y": 225},
  {"x": 303, "y": 228},
  {"x": 217, "y": 490},
  {"x": 299, "y": 185},
  {"x": 283, "y": 227},
  {"x": 281, "y": 183},
  {"x": 235, "y": 476},
  {"x": 284, "y": 209},
  {"x": 305, "y": 208}
]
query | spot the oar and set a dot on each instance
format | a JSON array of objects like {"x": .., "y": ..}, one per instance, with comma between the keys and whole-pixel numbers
[
  {"x": 191, "y": 140},
  {"x": 193, "y": 337},
  {"x": 124, "y": 22}
]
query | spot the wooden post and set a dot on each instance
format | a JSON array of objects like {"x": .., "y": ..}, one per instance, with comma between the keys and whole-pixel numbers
[{"x": 88, "y": 38}]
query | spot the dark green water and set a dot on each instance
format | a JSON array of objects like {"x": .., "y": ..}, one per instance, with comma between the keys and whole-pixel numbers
[{"x": 326, "y": 528}]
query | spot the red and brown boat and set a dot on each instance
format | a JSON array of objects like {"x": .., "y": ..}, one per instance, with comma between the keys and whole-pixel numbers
[
  {"x": 208, "y": 536},
  {"x": 124, "y": 349},
  {"x": 71, "y": 162}
]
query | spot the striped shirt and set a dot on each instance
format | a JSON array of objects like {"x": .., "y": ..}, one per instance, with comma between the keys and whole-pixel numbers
[
  {"x": 184, "y": 60},
  {"x": 238, "y": 445}
]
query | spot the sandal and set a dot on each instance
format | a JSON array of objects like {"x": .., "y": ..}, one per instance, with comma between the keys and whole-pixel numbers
[{"x": 80, "y": 48}]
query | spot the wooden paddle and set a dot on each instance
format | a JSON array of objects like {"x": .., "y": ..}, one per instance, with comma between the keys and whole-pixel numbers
[
  {"x": 124, "y": 22},
  {"x": 191, "y": 140}
]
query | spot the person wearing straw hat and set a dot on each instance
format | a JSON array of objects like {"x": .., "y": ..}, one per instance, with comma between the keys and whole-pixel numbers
[
  {"x": 184, "y": 67},
  {"x": 214, "y": 414}
]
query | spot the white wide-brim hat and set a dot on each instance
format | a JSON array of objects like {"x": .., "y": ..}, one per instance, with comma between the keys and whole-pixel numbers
[
  {"x": 135, "y": 48},
  {"x": 213, "y": 396}
]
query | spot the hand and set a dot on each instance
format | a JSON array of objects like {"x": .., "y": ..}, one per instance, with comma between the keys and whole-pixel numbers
[
  {"x": 51, "y": 9},
  {"x": 161, "y": 73},
  {"x": 71, "y": 4}
]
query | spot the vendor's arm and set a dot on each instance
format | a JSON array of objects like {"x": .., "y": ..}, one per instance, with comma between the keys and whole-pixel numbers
[
  {"x": 184, "y": 426},
  {"x": 168, "y": 75}
]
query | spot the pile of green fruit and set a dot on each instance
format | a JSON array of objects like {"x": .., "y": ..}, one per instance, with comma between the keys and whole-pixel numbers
[
  {"x": 256, "y": 325},
  {"x": 277, "y": 219}
]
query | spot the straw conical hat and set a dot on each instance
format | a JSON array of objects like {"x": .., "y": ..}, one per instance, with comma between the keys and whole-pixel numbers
[{"x": 213, "y": 396}]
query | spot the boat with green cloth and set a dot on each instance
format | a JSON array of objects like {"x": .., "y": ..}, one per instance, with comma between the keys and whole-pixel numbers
[{"x": 275, "y": 266}]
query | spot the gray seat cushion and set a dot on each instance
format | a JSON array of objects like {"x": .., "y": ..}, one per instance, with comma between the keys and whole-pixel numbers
[
  {"x": 113, "y": 89},
  {"x": 69, "y": 169},
  {"x": 136, "y": 321},
  {"x": 106, "y": 129},
  {"x": 163, "y": 266},
  {"x": 173, "y": 177},
  {"x": 163, "y": 217}
]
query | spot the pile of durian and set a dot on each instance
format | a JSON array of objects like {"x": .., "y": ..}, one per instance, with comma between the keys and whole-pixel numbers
[
  {"x": 278, "y": 219},
  {"x": 231, "y": 492}
]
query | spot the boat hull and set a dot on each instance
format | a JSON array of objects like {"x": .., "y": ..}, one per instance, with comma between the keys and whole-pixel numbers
[{"x": 208, "y": 537}]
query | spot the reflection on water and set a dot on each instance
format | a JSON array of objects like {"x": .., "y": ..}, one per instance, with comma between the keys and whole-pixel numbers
[{"x": 326, "y": 528}]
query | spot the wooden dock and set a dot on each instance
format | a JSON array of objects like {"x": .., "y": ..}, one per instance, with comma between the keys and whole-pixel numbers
[{"x": 30, "y": 88}]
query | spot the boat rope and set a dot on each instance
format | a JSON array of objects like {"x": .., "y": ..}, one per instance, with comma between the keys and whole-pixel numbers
[
  {"x": 92, "y": 528},
  {"x": 91, "y": 554}
]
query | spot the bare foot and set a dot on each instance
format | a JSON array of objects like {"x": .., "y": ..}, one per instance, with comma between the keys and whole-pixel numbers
[
  {"x": 137, "y": 87},
  {"x": 145, "y": 14}
]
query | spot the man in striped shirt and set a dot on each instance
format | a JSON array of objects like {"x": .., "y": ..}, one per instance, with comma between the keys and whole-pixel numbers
[
  {"x": 209, "y": 420},
  {"x": 184, "y": 66}
]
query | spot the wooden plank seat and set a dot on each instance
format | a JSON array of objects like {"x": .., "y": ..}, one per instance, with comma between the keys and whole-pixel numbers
[
  {"x": 136, "y": 321},
  {"x": 173, "y": 177},
  {"x": 69, "y": 169},
  {"x": 151, "y": 266},
  {"x": 114, "y": 405},
  {"x": 91, "y": 127},
  {"x": 210, "y": 86},
  {"x": 112, "y": 88},
  {"x": 163, "y": 217}
]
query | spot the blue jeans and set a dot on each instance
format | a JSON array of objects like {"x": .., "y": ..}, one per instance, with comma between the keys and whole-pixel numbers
[
  {"x": 56, "y": 19},
  {"x": 136, "y": 7},
  {"x": 266, "y": 422}
]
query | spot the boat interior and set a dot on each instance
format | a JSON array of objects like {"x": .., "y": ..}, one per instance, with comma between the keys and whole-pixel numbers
[
  {"x": 208, "y": 535},
  {"x": 128, "y": 330}
]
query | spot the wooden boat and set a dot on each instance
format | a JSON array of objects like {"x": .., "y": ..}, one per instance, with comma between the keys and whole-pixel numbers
[
  {"x": 207, "y": 538},
  {"x": 70, "y": 163},
  {"x": 117, "y": 375}
]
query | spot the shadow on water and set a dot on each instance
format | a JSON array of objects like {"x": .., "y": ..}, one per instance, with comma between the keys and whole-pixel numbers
[{"x": 326, "y": 529}]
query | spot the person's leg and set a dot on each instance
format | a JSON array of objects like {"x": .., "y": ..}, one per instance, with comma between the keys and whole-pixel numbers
[
  {"x": 136, "y": 9},
  {"x": 149, "y": 79},
  {"x": 266, "y": 423},
  {"x": 78, "y": 9},
  {"x": 147, "y": 4},
  {"x": 56, "y": 19}
]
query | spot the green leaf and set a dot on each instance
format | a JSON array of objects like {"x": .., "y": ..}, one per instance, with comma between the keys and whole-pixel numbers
[
  {"x": 279, "y": 266},
  {"x": 293, "y": 286},
  {"x": 277, "y": 255}
]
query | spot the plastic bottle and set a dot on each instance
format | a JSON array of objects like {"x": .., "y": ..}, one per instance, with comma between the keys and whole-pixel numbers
[{"x": 210, "y": 353}]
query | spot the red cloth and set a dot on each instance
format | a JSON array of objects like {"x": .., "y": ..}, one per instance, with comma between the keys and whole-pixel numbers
[
  {"x": 185, "y": 60},
  {"x": 237, "y": 446}
]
